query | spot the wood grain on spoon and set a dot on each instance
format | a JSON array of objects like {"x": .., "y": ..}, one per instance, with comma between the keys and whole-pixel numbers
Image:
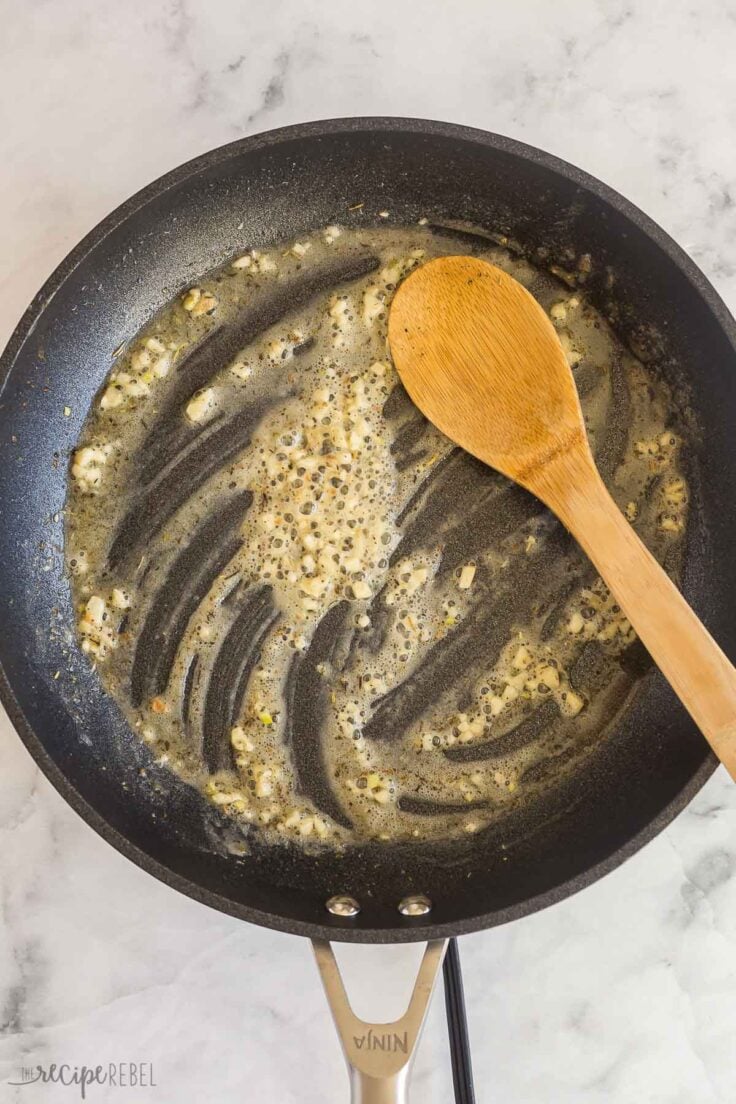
[{"x": 481, "y": 359}]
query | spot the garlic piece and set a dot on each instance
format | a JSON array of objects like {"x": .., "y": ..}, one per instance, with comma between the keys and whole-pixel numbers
[
  {"x": 241, "y": 371},
  {"x": 373, "y": 305},
  {"x": 87, "y": 465},
  {"x": 200, "y": 407},
  {"x": 466, "y": 577},
  {"x": 191, "y": 298},
  {"x": 120, "y": 599}
]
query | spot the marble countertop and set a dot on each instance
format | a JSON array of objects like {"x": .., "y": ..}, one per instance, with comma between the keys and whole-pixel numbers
[{"x": 625, "y": 993}]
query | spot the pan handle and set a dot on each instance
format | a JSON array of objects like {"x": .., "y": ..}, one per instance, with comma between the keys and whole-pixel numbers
[{"x": 379, "y": 1056}]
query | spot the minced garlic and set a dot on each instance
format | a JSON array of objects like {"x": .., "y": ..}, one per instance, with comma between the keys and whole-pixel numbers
[
  {"x": 201, "y": 406},
  {"x": 467, "y": 574},
  {"x": 87, "y": 466}
]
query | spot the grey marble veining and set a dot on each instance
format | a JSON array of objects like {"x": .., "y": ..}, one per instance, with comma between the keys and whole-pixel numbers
[{"x": 626, "y": 993}]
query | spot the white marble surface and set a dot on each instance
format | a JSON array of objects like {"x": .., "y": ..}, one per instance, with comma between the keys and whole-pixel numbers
[{"x": 624, "y": 994}]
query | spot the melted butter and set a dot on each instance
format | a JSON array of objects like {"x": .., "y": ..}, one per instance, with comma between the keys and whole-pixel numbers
[{"x": 336, "y": 489}]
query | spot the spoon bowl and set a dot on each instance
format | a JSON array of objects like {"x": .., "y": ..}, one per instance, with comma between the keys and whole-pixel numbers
[{"x": 481, "y": 359}]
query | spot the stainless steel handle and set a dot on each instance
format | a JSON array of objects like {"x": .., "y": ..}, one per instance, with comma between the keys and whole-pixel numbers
[
  {"x": 379, "y": 1055},
  {"x": 382, "y": 1090}
]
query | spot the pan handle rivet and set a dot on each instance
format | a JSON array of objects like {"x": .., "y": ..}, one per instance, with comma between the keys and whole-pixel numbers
[
  {"x": 343, "y": 906},
  {"x": 418, "y": 905}
]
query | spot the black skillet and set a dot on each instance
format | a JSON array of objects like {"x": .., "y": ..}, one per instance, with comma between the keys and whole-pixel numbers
[{"x": 272, "y": 187}]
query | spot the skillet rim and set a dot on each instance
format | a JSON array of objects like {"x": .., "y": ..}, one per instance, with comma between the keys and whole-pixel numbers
[{"x": 407, "y": 930}]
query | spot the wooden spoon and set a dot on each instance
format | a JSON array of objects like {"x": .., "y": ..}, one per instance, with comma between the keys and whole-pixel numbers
[{"x": 481, "y": 359}]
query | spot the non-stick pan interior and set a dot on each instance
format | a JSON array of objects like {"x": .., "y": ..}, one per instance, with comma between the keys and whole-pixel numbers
[{"x": 251, "y": 194}]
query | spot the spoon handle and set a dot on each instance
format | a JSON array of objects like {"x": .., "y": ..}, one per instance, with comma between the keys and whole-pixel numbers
[{"x": 678, "y": 642}]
